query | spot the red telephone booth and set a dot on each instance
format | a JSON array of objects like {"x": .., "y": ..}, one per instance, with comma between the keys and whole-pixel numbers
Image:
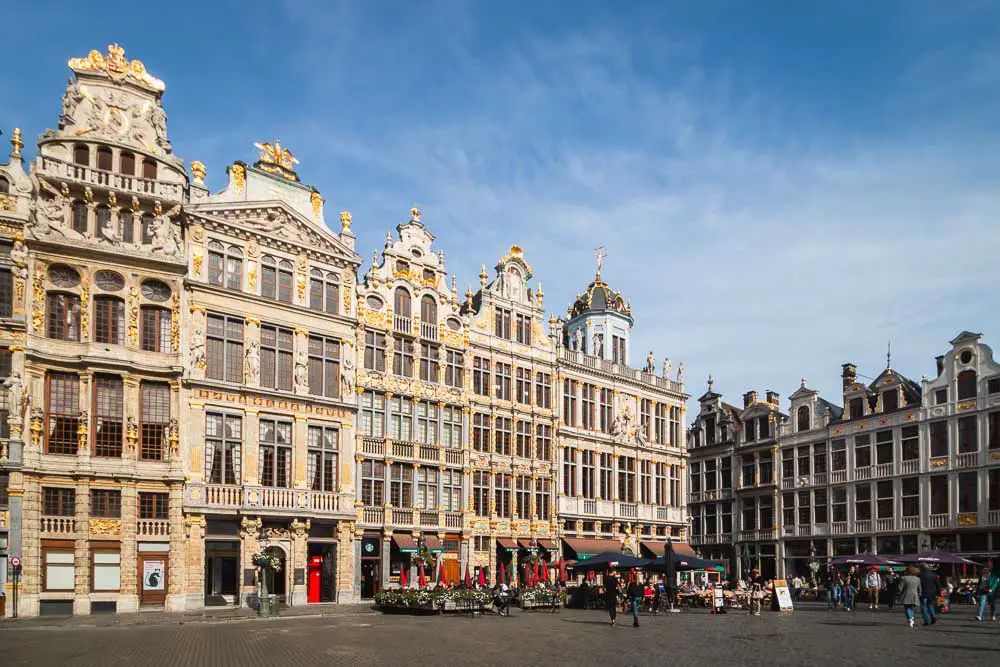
[{"x": 315, "y": 564}]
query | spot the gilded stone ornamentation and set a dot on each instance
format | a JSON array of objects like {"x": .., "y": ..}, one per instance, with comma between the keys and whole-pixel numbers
[
  {"x": 82, "y": 431},
  {"x": 132, "y": 433},
  {"x": 252, "y": 276},
  {"x": 84, "y": 310},
  {"x": 316, "y": 201},
  {"x": 38, "y": 300},
  {"x": 345, "y": 219},
  {"x": 37, "y": 417},
  {"x": 115, "y": 66},
  {"x": 133, "y": 315},
  {"x": 239, "y": 174},
  {"x": 175, "y": 323},
  {"x": 196, "y": 261},
  {"x": 198, "y": 171},
  {"x": 105, "y": 527}
]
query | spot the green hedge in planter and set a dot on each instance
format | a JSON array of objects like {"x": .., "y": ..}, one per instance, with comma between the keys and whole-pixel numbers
[{"x": 417, "y": 598}]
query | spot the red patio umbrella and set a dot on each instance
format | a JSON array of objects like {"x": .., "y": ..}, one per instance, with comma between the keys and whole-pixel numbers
[
  {"x": 468, "y": 577},
  {"x": 537, "y": 573},
  {"x": 503, "y": 574},
  {"x": 423, "y": 576},
  {"x": 402, "y": 577},
  {"x": 482, "y": 576}
]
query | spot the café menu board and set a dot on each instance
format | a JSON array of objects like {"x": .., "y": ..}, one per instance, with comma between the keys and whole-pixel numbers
[{"x": 782, "y": 596}]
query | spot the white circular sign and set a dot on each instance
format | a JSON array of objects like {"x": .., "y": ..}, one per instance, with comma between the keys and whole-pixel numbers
[{"x": 15, "y": 562}]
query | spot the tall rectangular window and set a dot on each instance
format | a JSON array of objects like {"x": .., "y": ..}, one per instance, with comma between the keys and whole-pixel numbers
[
  {"x": 939, "y": 438},
  {"x": 427, "y": 423},
  {"x": 675, "y": 427},
  {"x": 108, "y": 416},
  {"x": 324, "y": 366},
  {"x": 481, "y": 376},
  {"x": 543, "y": 442},
  {"x": 626, "y": 479},
  {"x": 451, "y": 490},
  {"x": 588, "y": 474},
  {"x": 481, "y": 493},
  {"x": 372, "y": 483},
  {"x": 939, "y": 494},
  {"x": 155, "y": 326},
  {"x": 522, "y": 497},
  {"x": 372, "y": 414},
  {"x": 63, "y": 316},
  {"x": 606, "y": 411},
  {"x": 225, "y": 348},
  {"x": 427, "y": 488},
  {"x": 968, "y": 492},
  {"x": 522, "y": 439},
  {"x": 502, "y": 486},
  {"x": 819, "y": 505},
  {"x": 451, "y": 427},
  {"x": 109, "y": 320},
  {"x": 968, "y": 435},
  {"x": 838, "y": 496},
  {"x": 400, "y": 419},
  {"x": 321, "y": 469},
  {"x": 480, "y": 432},
  {"x": 910, "y": 492},
  {"x": 645, "y": 482},
  {"x": 660, "y": 424},
  {"x": 569, "y": 403},
  {"x": 154, "y": 420},
  {"x": 523, "y": 329},
  {"x": 569, "y": 473},
  {"x": 588, "y": 403},
  {"x": 884, "y": 447},
  {"x": 862, "y": 451},
  {"x": 605, "y": 484},
  {"x": 6, "y": 293},
  {"x": 402, "y": 357},
  {"x": 154, "y": 505},
  {"x": 400, "y": 485},
  {"x": 501, "y": 436},
  {"x": 675, "y": 486},
  {"x": 993, "y": 488},
  {"x": 275, "y": 453},
  {"x": 106, "y": 503},
  {"x": 501, "y": 322},
  {"x": 863, "y": 502},
  {"x": 910, "y": 437},
  {"x": 454, "y": 370},
  {"x": 276, "y": 347},
  {"x": 58, "y": 501},
  {"x": 374, "y": 351},
  {"x": 660, "y": 484},
  {"x": 819, "y": 458},
  {"x": 542, "y": 499},
  {"x": 884, "y": 499},
  {"x": 62, "y": 413},
  {"x": 646, "y": 418},
  {"x": 838, "y": 455},
  {"x": 503, "y": 376},
  {"x": 429, "y": 362},
  {"x": 543, "y": 390},
  {"x": 522, "y": 386},
  {"x": 223, "y": 444},
  {"x": 749, "y": 470}
]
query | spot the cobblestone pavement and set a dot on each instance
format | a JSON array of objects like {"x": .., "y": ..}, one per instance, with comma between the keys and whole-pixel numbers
[{"x": 808, "y": 636}]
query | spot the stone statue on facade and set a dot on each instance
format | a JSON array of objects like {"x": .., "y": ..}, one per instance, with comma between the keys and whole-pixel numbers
[
  {"x": 680, "y": 372},
  {"x": 347, "y": 372},
  {"x": 70, "y": 101},
  {"x": 301, "y": 371},
  {"x": 197, "y": 349},
  {"x": 48, "y": 214},
  {"x": 165, "y": 238},
  {"x": 16, "y": 398},
  {"x": 251, "y": 364},
  {"x": 158, "y": 120},
  {"x": 109, "y": 232},
  {"x": 650, "y": 363},
  {"x": 578, "y": 340},
  {"x": 598, "y": 345},
  {"x": 666, "y": 366}
]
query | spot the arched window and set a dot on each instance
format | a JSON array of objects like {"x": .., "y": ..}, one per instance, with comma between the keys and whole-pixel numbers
[
  {"x": 285, "y": 281},
  {"x": 109, "y": 320},
  {"x": 966, "y": 385},
  {"x": 324, "y": 291},
  {"x": 225, "y": 265},
  {"x": 149, "y": 169},
  {"x": 4, "y": 185},
  {"x": 126, "y": 225},
  {"x": 147, "y": 228},
  {"x": 428, "y": 310},
  {"x": 155, "y": 329},
  {"x": 126, "y": 164},
  {"x": 63, "y": 316},
  {"x": 80, "y": 217},
  {"x": 104, "y": 158},
  {"x": 81, "y": 155},
  {"x": 803, "y": 418},
  {"x": 103, "y": 217},
  {"x": 401, "y": 302}
]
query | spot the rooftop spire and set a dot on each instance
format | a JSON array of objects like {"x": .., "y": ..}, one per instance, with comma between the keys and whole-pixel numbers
[
  {"x": 888, "y": 355},
  {"x": 600, "y": 253}
]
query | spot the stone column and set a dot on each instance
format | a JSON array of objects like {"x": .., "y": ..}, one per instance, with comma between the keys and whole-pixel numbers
[
  {"x": 298, "y": 559},
  {"x": 130, "y": 399},
  {"x": 300, "y": 451},
  {"x": 83, "y": 450},
  {"x": 31, "y": 547},
  {"x": 129, "y": 593},
  {"x": 354, "y": 584},
  {"x": 251, "y": 448},
  {"x": 250, "y": 544},
  {"x": 81, "y": 580},
  {"x": 176, "y": 583},
  {"x": 194, "y": 562},
  {"x": 386, "y": 545},
  {"x": 193, "y": 442}
]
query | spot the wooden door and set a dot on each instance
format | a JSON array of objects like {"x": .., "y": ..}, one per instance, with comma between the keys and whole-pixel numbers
[
  {"x": 451, "y": 571},
  {"x": 153, "y": 579}
]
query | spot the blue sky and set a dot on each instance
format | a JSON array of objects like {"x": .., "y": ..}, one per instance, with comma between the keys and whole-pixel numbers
[{"x": 782, "y": 186}]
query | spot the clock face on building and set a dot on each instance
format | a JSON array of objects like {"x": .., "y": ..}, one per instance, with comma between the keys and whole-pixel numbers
[{"x": 369, "y": 547}]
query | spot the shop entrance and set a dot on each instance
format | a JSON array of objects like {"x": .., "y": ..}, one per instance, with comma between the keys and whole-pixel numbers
[
  {"x": 371, "y": 565},
  {"x": 277, "y": 582},
  {"x": 222, "y": 568},
  {"x": 322, "y": 573},
  {"x": 153, "y": 578}
]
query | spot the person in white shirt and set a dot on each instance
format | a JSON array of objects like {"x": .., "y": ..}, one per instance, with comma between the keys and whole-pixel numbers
[{"x": 873, "y": 582}]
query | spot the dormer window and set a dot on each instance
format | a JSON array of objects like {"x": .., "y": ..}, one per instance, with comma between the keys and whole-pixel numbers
[
  {"x": 750, "y": 432},
  {"x": 429, "y": 275},
  {"x": 856, "y": 407},
  {"x": 81, "y": 155},
  {"x": 149, "y": 169},
  {"x": 890, "y": 400},
  {"x": 802, "y": 418},
  {"x": 104, "y": 159},
  {"x": 710, "y": 431},
  {"x": 402, "y": 266}
]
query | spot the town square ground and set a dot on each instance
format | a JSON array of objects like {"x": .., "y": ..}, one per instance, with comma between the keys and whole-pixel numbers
[{"x": 358, "y": 636}]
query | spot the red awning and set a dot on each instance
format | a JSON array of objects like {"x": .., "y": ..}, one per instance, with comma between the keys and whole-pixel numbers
[
  {"x": 507, "y": 543},
  {"x": 433, "y": 543},
  {"x": 584, "y": 548},
  {"x": 548, "y": 545},
  {"x": 406, "y": 543},
  {"x": 658, "y": 548}
]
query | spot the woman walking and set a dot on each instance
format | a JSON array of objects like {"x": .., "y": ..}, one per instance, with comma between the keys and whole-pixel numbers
[
  {"x": 852, "y": 583},
  {"x": 987, "y": 591},
  {"x": 909, "y": 597},
  {"x": 611, "y": 593}
]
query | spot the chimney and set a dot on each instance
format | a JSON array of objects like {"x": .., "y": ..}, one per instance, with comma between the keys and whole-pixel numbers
[
  {"x": 850, "y": 374},
  {"x": 749, "y": 399},
  {"x": 940, "y": 364},
  {"x": 773, "y": 398}
]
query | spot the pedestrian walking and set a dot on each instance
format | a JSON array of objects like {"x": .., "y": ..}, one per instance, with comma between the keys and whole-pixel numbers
[
  {"x": 757, "y": 584},
  {"x": 873, "y": 582},
  {"x": 986, "y": 589},
  {"x": 930, "y": 588},
  {"x": 611, "y": 594},
  {"x": 831, "y": 581},
  {"x": 852, "y": 584},
  {"x": 635, "y": 593},
  {"x": 910, "y": 593},
  {"x": 891, "y": 588}
]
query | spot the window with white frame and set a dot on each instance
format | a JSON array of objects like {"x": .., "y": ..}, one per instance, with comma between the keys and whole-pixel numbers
[{"x": 321, "y": 469}]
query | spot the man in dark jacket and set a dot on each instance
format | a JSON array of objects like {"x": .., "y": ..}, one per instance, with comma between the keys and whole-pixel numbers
[
  {"x": 611, "y": 593},
  {"x": 634, "y": 591},
  {"x": 929, "y": 590}
]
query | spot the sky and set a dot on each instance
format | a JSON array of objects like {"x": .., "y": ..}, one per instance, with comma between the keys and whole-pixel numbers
[{"x": 782, "y": 187}]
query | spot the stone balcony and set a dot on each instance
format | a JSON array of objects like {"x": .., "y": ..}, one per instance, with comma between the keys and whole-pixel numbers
[
  {"x": 258, "y": 499},
  {"x": 134, "y": 185},
  {"x": 621, "y": 370},
  {"x": 612, "y": 510},
  {"x": 411, "y": 451},
  {"x": 407, "y": 517}
]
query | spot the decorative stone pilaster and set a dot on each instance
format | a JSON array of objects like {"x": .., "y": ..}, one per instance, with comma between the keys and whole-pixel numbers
[
  {"x": 251, "y": 356},
  {"x": 298, "y": 560},
  {"x": 176, "y": 583}
]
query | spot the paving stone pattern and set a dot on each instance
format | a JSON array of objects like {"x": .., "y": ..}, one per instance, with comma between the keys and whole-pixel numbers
[{"x": 808, "y": 636}]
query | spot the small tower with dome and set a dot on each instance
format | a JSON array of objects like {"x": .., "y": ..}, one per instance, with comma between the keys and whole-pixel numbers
[{"x": 600, "y": 320}]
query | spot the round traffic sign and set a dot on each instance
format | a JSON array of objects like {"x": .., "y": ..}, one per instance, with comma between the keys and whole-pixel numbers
[{"x": 15, "y": 561}]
